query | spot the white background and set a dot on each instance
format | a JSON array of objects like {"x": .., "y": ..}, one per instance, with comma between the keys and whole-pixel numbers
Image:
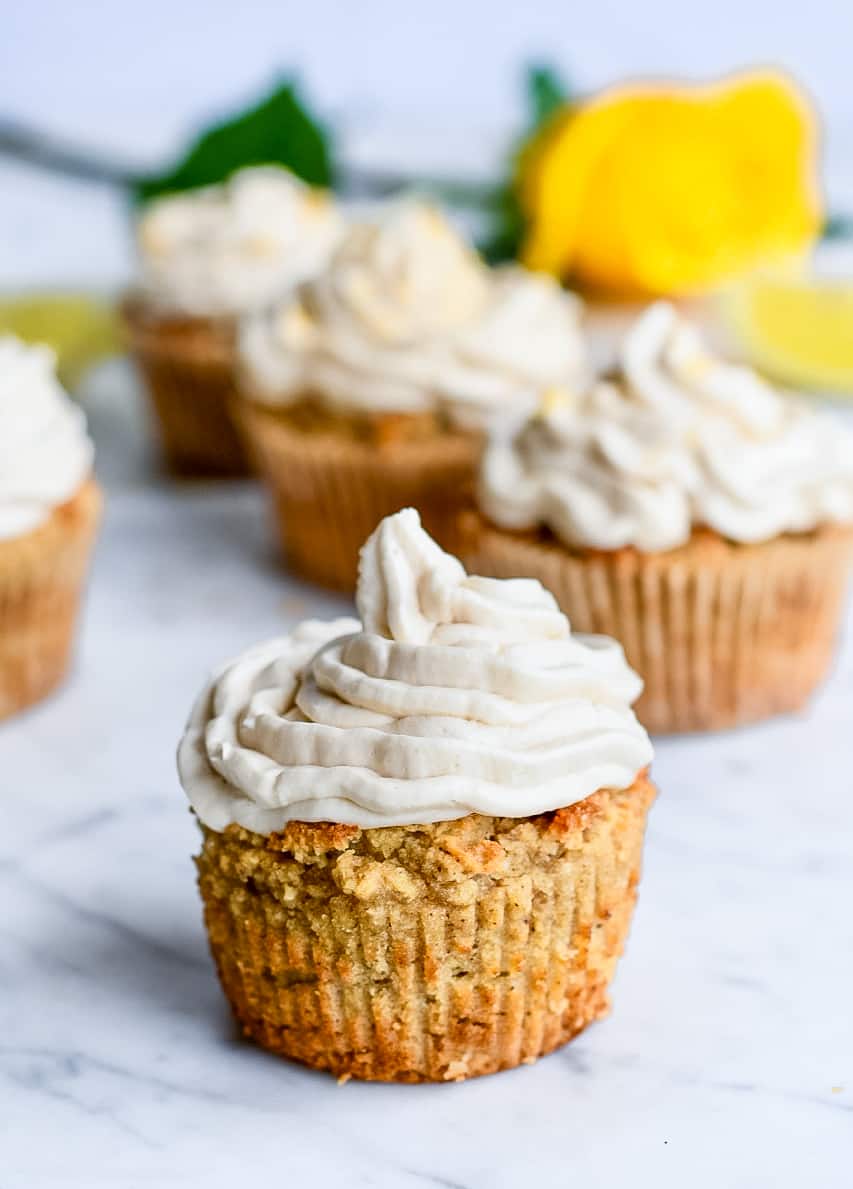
[
  {"x": 106, "y": 61},
  {"x": 406, "y": 81}
]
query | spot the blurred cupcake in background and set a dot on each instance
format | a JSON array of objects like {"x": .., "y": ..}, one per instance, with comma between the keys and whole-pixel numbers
[
  {"x": 372, "y": 388},
  {"x": 208, "y": 257},
  {"x": 422, "y": 832},
  {"x": 49, "y": 512},
  {"x": 687, "y": 509}
]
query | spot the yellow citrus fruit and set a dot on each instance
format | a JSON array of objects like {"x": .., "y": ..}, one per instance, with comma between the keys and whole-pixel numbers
[
  {"x": 670, "y": 189},
  {"x": 81, "y": 329},
  {"x": 796, "y": 324}
]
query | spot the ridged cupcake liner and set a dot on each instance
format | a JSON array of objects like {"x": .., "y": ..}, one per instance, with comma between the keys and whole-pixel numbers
[
  {"x": 188, "y": 370},
  {"x": 722, "y": 634},
  {"x": 330, "y": 491},
  {"x": 425, "y": 953},
  {"x": 41, "y": 579}
]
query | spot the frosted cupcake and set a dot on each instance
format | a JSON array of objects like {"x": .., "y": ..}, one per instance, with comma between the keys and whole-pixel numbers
[
  {"x": 207, "y": 258},
  {"x": 422, "y": 831},
  {"x": 372, "y": 388},
  {"x": 690, "y": 511},
  {"x": 49, "y": 512}
]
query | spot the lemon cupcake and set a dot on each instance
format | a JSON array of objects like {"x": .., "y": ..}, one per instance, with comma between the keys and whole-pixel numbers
[
  {"x": 372, "y": 388},
  {"x": 49, "y": 512},
  {"x": 422, "y": 831},
  {"x": 692, "y": 512},
  {"x": 208, "y": 257}
]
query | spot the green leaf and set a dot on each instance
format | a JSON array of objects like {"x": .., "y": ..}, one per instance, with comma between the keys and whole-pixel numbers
[
  {"x": 546, "y": 92},
  {"x": 506, "y": 226},
  {"x": 277, "y": 131},
  {"x": 546, "y": 95},
  {"x": 838, "y": 226}
]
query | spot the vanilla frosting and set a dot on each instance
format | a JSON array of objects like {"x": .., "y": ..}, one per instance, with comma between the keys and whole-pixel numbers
[
  {"x": 453, "y": 695},
  {"x": 45, "y": 452},
  {"x": 679, "y": 439},
  {"x": 406, "y": 317},
  {"x": 225, "y": 250}
]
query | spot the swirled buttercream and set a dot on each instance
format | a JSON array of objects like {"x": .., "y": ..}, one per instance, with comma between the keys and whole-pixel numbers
[
  {"x": 406, "y": 317},
  {"x": 227, "y": 249},
  {"x": 679, "y": 439},
  {"x": 454, "y": 695},
  {"x": 45, "y": 452}
]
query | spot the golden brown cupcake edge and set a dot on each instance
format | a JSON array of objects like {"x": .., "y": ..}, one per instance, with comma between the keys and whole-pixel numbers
[
  {"x": 722, "y": 633},
  {"x": 333, "y": 478},
  {"x": 425, "y": 953},
  {"x": 188, "y": 369},
  {"x": 42, "y": 575}
]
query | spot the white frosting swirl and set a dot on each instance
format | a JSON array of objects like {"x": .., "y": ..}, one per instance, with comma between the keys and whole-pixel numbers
[
  {"x": 228, "y": 249},
  {"x": 45, "y": 452},
  {"x": 454, "y": 695},
  {"x": 407, "y": 318},
  {"x": 681, "y": 439}
]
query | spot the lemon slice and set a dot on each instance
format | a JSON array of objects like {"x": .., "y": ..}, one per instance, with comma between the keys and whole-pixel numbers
[
  {"x": 81, "y": 329},
  {"x": 796, "y": 323}
]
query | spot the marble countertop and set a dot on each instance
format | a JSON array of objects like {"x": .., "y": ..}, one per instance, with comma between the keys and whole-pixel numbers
[{"x": 728, "y": 1060}]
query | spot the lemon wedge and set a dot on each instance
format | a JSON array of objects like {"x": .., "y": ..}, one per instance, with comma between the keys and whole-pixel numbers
[
  {"x": 796, "y": 323},
  {"x": 80, "y": 328}
]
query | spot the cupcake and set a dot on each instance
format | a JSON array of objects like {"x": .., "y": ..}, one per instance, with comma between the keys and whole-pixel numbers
[
  {"x": 422, "y": 831},
  {"x": 371, "y": 388},
  {"x": 692, "y": 512},
  {"x": 49, "y": 511},
  {"x": 208, "y": 257}
]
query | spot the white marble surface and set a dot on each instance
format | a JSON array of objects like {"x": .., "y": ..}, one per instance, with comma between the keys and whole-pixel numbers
[{"x": 728, "y": 1061}]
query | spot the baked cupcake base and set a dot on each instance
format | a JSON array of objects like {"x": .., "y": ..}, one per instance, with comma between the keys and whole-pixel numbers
[
  {"x": 187, "y": 365},
  {"x": 425, "y": 953},
  {"x": 41, "y": 578},
  {"x": 330, "y": 489},
  {"x": 722, "y": 634}
]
